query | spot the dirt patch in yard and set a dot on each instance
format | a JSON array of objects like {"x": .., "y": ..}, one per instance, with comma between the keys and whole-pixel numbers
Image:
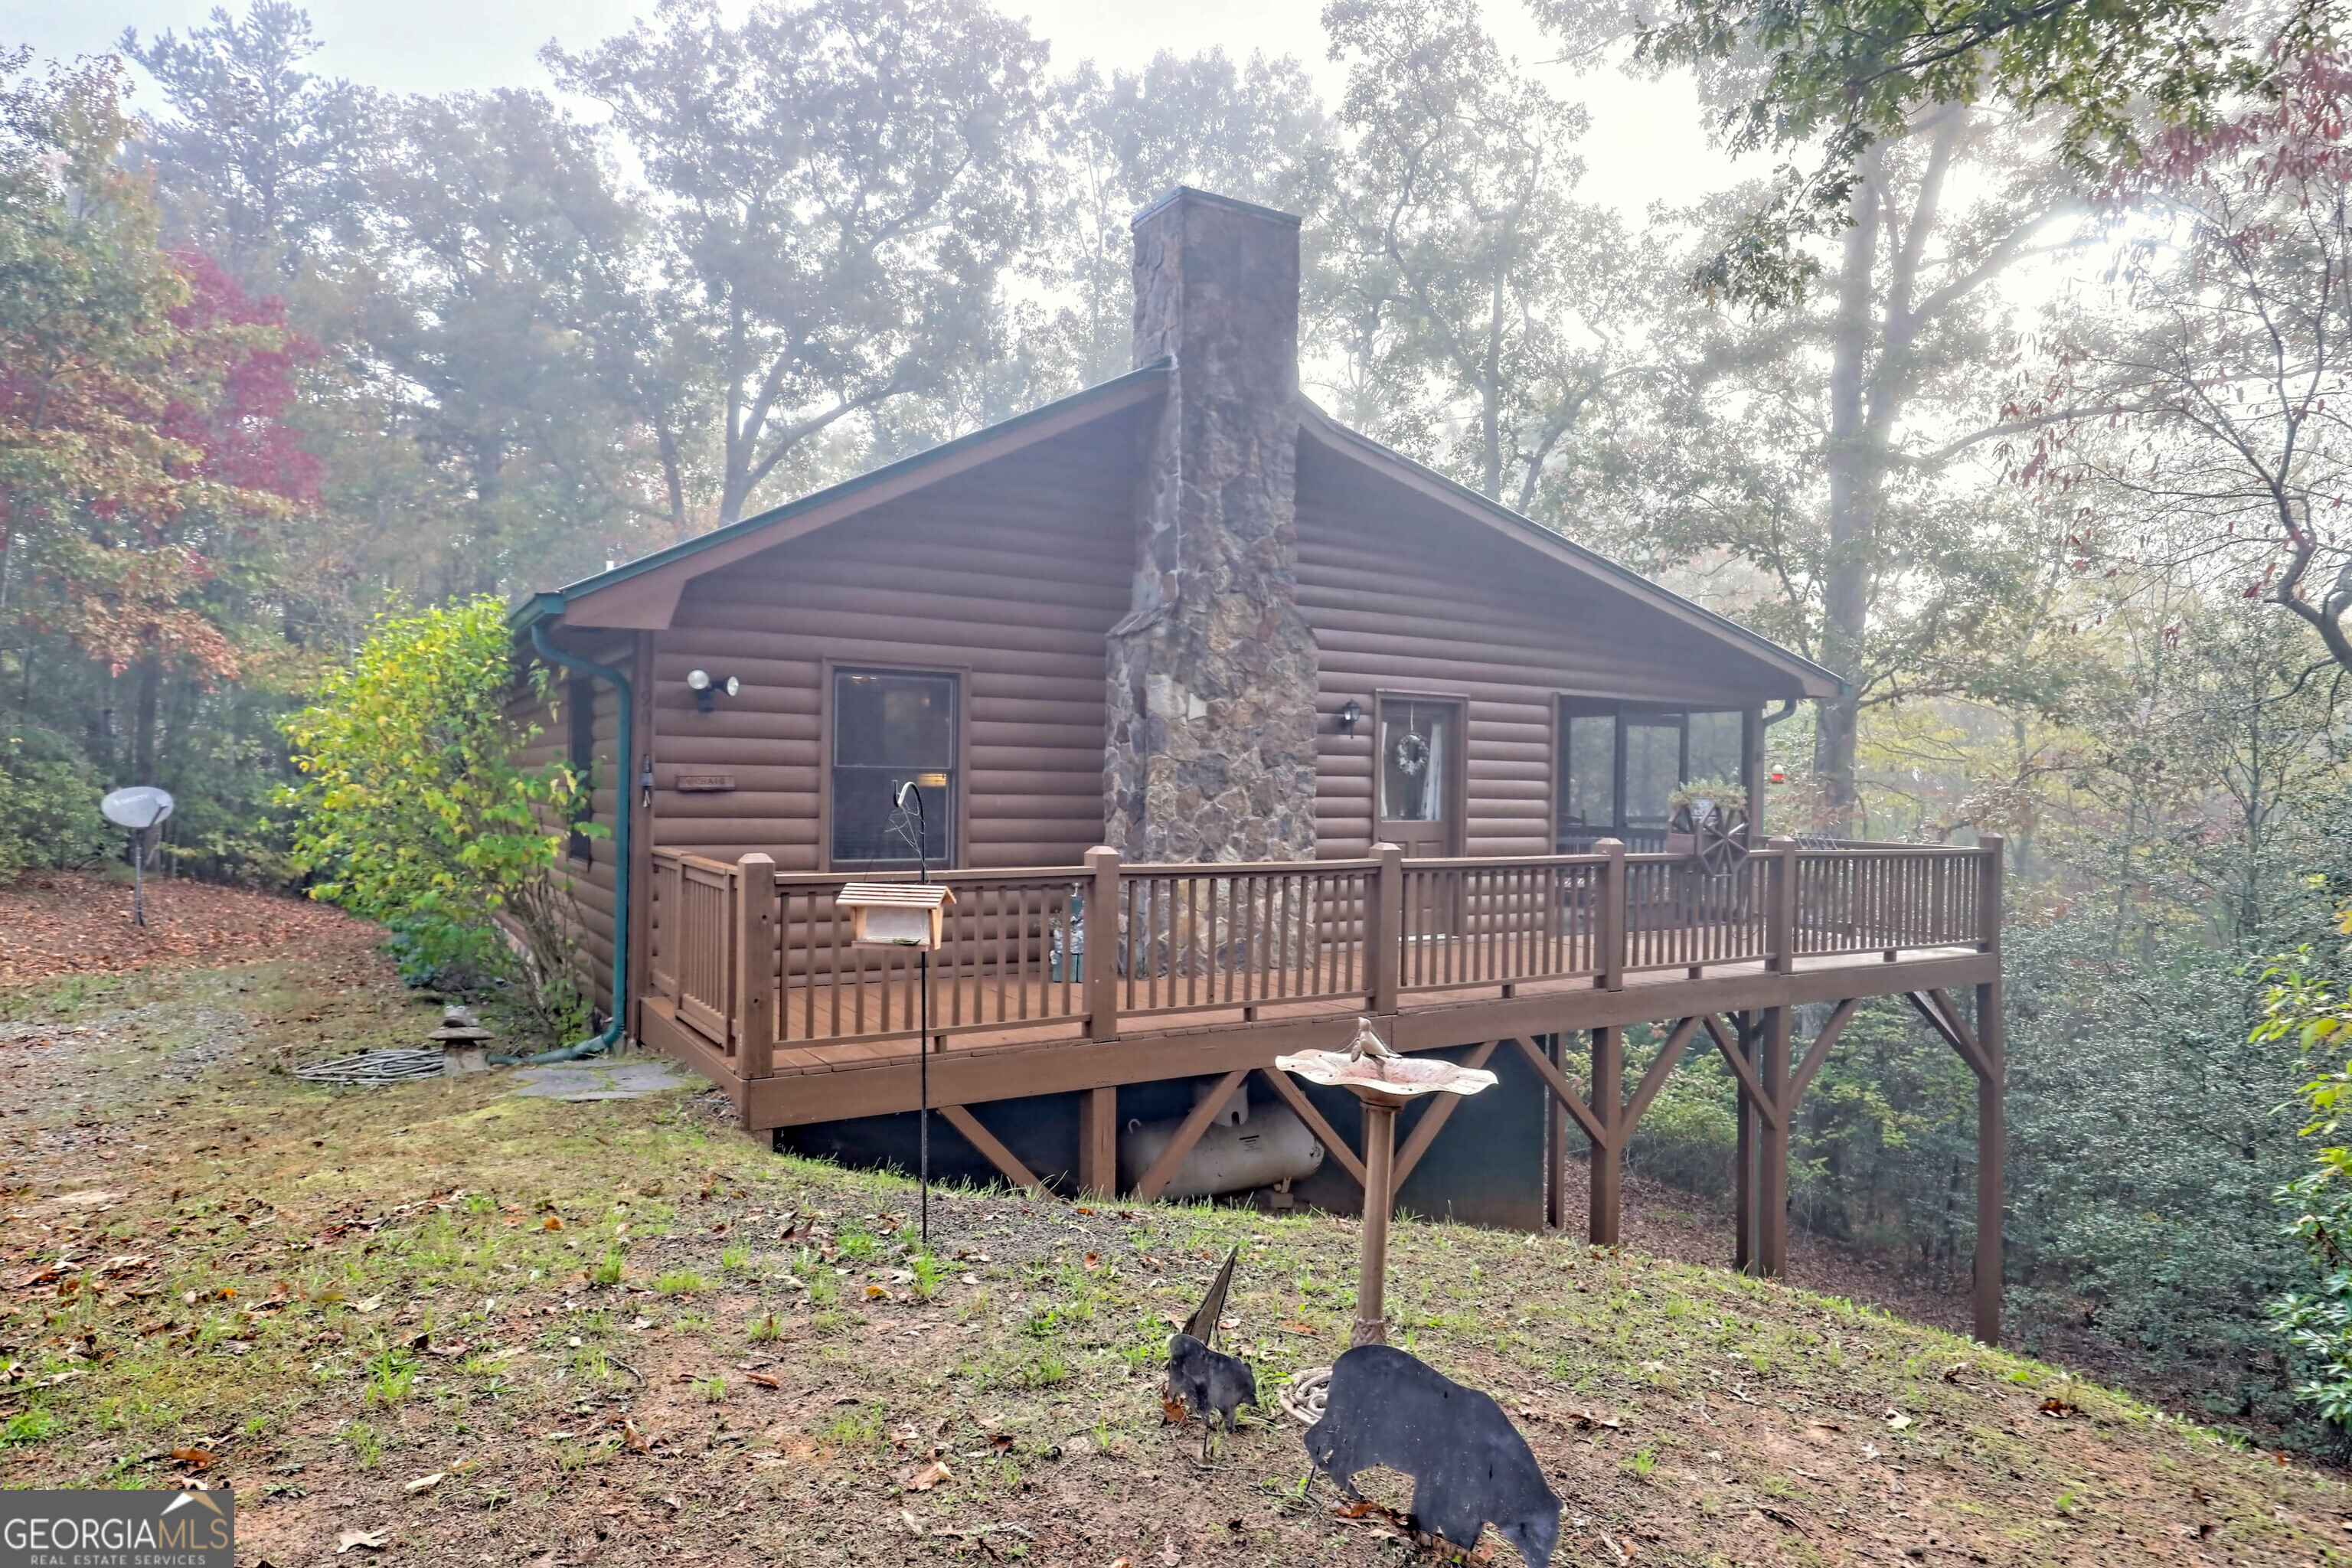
[{"x": 481, "y": 1328}]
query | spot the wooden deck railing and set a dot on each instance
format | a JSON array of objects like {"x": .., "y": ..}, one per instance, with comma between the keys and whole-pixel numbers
[{"x": 759, "y": 962}]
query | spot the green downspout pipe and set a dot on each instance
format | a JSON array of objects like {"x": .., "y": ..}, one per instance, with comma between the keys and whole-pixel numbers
[{"x": 596, "y": 1045}]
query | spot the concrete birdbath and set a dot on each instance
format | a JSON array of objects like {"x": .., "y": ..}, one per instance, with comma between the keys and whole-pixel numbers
[{"x": 1385, "y": 1083}]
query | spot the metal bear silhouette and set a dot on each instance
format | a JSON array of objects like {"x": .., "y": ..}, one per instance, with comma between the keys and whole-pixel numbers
[
  {"x": 1469, "y": 1465},
  {"x": 1208, "y": 1381}
]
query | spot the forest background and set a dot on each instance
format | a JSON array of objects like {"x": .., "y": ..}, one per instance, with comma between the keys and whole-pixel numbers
[{"x": 2040, "y": 446}]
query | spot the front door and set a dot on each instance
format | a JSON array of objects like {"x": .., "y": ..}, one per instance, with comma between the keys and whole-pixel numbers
[{"x": 1420, "y": 800}]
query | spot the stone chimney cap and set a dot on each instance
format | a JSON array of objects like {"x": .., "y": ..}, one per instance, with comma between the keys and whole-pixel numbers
[{"x": 1186, "y": 192}]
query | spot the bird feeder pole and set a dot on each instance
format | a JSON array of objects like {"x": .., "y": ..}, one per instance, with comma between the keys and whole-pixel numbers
[
  {"x": 1380, "y": 1197},
  {"x": 893, "y": 914}
]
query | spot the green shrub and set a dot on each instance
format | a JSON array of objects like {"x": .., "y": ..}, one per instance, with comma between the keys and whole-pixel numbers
[
  {"x": 414, "y": 810},
  {"x": 48, "y": 809}
]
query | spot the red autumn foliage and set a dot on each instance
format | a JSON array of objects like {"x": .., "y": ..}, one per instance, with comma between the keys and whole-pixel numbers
[{"x": 241, "y": 428}]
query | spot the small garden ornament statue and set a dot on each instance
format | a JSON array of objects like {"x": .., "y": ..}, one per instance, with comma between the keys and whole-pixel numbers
[{"x": 1385, "y": 1083}]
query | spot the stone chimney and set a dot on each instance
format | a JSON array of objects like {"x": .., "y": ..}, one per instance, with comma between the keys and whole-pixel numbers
[{"x": 1209, "y": 744}]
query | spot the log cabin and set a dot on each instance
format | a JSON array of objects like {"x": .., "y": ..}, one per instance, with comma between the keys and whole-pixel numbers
[{"x": 1228, "y": 727}]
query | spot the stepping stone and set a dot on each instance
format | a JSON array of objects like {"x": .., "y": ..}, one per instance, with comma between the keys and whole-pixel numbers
[{"x": 603, "y": 1080}]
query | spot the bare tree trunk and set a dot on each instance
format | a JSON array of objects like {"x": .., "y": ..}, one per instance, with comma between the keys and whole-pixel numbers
[
  {"x": 1845, "y": 594},
  {"x": 142, "y": 734}
]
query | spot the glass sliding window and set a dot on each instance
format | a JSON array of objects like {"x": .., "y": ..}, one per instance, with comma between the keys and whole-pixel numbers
[{"x": 890, "y": 728}]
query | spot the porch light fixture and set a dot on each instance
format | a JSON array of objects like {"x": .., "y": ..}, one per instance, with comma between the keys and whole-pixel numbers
[
  {"x": 706, "y": 690},
  {"x": 1351, "y": 713}
]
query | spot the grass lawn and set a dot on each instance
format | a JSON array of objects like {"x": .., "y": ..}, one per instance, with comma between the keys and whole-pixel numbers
[{"x": 469, "y": 1326}]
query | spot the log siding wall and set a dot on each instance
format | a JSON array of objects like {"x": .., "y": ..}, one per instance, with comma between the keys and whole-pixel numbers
[
  {"x": 591, "y": 880},
  {"x": 1011, "y": 576},
  {"x": 1406, "y": 595}
]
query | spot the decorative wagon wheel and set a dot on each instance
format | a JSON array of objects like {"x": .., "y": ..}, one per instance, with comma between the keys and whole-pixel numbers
[{"x": 1714, "y": 833}]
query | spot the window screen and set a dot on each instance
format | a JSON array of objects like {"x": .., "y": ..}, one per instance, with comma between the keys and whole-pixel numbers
[
  {"x": 1590, "y": 770},
  {"x": 890, "y": 728},
  {"x": 1653, "y": 756},
  {"x": 1620, "y": 763},
  {"x": 1715, "y": 747}
]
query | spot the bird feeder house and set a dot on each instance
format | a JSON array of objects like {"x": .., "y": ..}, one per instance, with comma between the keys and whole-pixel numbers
[{"x": 895, "y": 914}]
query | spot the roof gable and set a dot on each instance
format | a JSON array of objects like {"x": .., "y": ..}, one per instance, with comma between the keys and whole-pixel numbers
[
  {"x": 1461, "y": 501},
  {"x": 643, "y": 594}
]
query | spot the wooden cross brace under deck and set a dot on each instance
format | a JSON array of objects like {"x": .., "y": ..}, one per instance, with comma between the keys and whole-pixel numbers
[{"x": 1609, "y": 1118}]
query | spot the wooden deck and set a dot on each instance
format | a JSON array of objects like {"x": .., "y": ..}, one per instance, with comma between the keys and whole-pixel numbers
[
  {"x": 1082, "y": 979},
  {"x": 755, "y": 984}
]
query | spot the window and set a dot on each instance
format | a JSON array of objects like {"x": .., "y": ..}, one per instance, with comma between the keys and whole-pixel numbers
[
  {"x": 580, "y": 752},
  {"x": 1620, "y": 763},
  {"x": 1589, "y": 771},
  {"x": 1416, "y": 755},
  {"x": 889, "y": 729},
  {"x": 1716, "y": 748}
]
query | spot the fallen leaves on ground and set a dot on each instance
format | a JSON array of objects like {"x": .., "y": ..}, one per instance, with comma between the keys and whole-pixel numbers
[
  {"x": 66, "y": 922},
  {"x": 374, "y": 1539}
]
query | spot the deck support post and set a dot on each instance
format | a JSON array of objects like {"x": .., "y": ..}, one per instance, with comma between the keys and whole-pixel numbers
[
  {"x": 1556, "y": 1139},
  {"x": 1991, "y": 1085},
  {"x": 1743, "y": 1218},
  {"x": 1989, "y": 1157},
  {"x": 1771, "y": 1058},
  {"x": 755, "y": 963},
  {"x": 1099, "y": 1144},
  {"x": 1608, "y": 1106},
  {"x": 1384, "y": 930},
  {"x": 1102, "y": 949}
]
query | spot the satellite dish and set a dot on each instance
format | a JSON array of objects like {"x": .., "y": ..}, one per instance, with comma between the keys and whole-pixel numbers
[{"x": 138, "y": 808}]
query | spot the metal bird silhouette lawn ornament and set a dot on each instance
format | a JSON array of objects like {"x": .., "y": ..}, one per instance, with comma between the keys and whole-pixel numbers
[
  {"x": 1206, "y": 1380},
  {"x": 1468, "y": 1463},
  {"x": 1203, "y": 1324}
]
